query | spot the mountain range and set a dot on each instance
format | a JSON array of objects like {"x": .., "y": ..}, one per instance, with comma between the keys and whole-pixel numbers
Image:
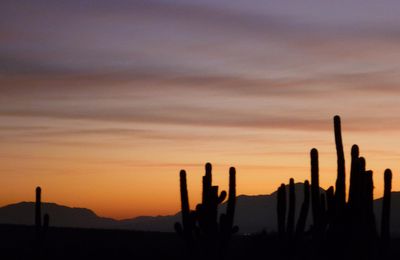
[{"x": 253, "y": 214}]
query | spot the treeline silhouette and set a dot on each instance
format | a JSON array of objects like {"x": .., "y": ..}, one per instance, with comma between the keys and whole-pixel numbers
[{"x": 341, "y": 227}]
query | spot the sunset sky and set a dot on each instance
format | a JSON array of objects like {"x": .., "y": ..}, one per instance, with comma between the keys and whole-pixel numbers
[{"x": 103, "y": 102}]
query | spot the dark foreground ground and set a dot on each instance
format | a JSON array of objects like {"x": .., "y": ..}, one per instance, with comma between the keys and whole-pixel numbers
[{"x": 18, "y": 242}]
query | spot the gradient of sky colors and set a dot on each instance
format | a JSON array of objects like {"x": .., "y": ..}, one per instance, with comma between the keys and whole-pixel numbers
[{"x": 103, "y": 102}]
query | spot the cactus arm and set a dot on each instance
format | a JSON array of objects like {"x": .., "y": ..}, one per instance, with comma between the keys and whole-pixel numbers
[{"x": 221, "y": 197}]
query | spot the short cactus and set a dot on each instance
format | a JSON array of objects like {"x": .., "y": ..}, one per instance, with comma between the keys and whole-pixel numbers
[
  {"x": 39, "y": 224},
  {"x": 41, "y": 227},
  {"x": 38, "y": 208}
]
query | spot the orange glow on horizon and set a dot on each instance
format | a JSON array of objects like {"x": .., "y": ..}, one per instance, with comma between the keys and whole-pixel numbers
[{"x": 110, "y": 183}]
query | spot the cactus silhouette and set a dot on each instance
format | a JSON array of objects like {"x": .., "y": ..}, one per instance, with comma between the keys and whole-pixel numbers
[
  {"x": 281, "y": 210},
  {"x": 202, "y": 226},
  {"x": 291, "y": 212},
  {"x": 207, "y": 211},
  {"x": 369, "y": 200},
  {"x": 226, "y": 220},
  {"x": 346, "y": 229},
  {"x": 315, "y": 194},
  {"x": 340, "y": 194},
  {"x": 301, "y": 222},
  {"x": 38, "y": 209},
  {"x": 289, "y": 230},
  {"x": 41, "y": 227},
  {"x": 354, "y": 188},
  {"x": 385, "y": 220},
  {"x": 187, "y": 229}
]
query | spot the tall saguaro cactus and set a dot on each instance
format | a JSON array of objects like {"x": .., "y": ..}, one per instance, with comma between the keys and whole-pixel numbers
[
  {"x": 38, "y": 208},
  {"x": 41, "y": 227},
  {"x": 281, "y": 210},
  {"x": 39, "y": 224},
  {"x": 207, "y": 211},
  {"x": 315, "y": 194},
  {"x": 226, "y": 219},
  {"x": 385, "y": 220},
  {"x": 340, "y": 194},
  {"x": 369, "y": 204},
  {"x": 292, "y": 207},
  {"x": 187, "y": 228}
]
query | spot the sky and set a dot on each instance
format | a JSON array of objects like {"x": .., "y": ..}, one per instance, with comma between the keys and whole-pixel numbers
[{"x": 102, "y": 103}]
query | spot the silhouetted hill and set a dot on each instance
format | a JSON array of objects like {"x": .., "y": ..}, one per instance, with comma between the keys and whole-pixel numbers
[
  {"x": 257, "y": 213},
  {"x": 253, "y": 214},
  {"x": 395, "y": 213},
  {"x": 23, "y": 214},
  {"x": 149, "y": 223}
]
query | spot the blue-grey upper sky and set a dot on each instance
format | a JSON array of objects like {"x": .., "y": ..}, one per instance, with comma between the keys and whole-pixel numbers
[{"x": 238, "y": 49}]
